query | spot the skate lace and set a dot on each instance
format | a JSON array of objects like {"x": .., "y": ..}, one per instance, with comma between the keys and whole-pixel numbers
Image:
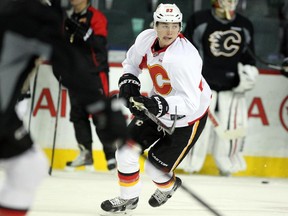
[
  {"x": 117, "y": 201},
  {"x": 160, "y": 196}
]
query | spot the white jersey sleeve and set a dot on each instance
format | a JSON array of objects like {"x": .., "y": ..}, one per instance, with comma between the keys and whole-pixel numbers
[{"x": 136, "y": 54}]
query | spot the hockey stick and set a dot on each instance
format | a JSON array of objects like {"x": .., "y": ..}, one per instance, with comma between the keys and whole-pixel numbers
[
  {"x": 186, "y": 189},
  {"x": 221, "y": 132},
  {"x": 55, "y": 128},
  {"x": 283, "y": 68},
  {"x": 33, "y": 96},
  {"x": 141, "y": 107},
  {"x": 137, "y": 148},
  {"x": 201, "y": 201},
  {"x": 224, "y": 134}
]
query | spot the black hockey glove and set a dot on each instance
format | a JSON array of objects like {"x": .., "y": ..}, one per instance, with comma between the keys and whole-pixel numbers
[
  {"x": 109, "y": 121},
  {"x": 25, "y": 95},
  {"x": 78, "y": 30},
  {"x": 156, "y": 105},
  {"x": 129, "y": 86}
]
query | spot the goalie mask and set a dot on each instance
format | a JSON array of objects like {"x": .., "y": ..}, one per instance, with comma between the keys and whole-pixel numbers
[
  {"x": 167, "y": 13},
  {"x": 225, "y": 8}
]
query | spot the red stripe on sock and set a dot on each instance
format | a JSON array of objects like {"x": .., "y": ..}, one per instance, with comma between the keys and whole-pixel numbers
[
  {"x": 12, "y": 212},
  {"x": 128, "y": 178}
]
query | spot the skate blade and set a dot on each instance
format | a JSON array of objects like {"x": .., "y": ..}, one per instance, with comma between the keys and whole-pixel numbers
[
  {"x": 124, "y": 213},
  {"x": 88, "y": 168},
  {"x": 113, "y": 171}
]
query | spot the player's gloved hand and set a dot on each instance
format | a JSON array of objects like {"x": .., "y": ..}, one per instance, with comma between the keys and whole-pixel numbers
[
  {"x": 248, "y": 75},
  {"x": 109, "y": 120},
  {"x": 137, "y": 110},
  {"x": 21, "y": 107},
  {"x": 156, "y": 105},
  {"x": 78, "y": 29},
  {"x": 25, "y": 95},
  {"x": 129, "y": 86}
]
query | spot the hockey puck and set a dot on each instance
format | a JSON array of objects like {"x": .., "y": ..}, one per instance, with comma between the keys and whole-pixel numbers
[{"x": 265, "y": 182}]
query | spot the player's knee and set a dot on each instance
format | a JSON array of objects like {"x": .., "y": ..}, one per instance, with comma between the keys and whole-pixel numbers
[
  {"x": 151, "y": 170},
  {"x": 156, "y": 174},
  {"x": 127, "y": 159}
]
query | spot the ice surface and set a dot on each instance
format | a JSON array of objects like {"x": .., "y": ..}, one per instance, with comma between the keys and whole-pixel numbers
[{"x": 81, "y": 193}]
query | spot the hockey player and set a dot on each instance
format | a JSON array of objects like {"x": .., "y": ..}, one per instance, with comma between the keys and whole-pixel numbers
[
  {"x": 93, "y": 46},
  {"x": 221, "y": 36},
  {"x": 33, "y": 31},
  {"x": 175, "y": 69}
]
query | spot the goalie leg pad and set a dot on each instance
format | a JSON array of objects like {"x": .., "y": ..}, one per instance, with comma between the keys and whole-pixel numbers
[
  {"x": 197, "y": 155},
  {"x": 233, "y": 115},
  {"x": 241, "y": 119}
]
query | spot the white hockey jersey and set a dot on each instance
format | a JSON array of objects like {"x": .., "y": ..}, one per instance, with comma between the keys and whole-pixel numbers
[{"x": 176, "y": 75}]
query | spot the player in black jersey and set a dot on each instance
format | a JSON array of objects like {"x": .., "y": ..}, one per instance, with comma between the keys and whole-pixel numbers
[
  {"x": 30, "y": 30},
  {"x": 86, "y": 30},
  {"x": 222, "y": 37}
]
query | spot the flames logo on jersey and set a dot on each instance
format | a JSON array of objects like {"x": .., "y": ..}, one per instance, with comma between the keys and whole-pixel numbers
[{"x": 225, "y": 43}]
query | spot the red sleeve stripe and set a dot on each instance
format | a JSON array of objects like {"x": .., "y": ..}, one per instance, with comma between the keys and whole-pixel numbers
[{"x": 143, "y": 62}]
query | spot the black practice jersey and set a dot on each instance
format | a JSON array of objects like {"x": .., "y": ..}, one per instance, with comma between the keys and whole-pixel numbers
[
  {"x": 222, "y": 44},
  {"x": 95, "y": 47}
]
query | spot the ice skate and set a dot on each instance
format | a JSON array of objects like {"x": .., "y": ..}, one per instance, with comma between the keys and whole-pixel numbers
[
  {"x": 84, "y": 159},
  {"x": 119, "y": 205},
  {"x": 225, "y": 173},
  {"x": 111, "y": 164},
  {"x": 161, "y": 197}
]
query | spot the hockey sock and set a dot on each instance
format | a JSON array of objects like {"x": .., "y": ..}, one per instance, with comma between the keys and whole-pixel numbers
[{"x": 12, "y": 212}]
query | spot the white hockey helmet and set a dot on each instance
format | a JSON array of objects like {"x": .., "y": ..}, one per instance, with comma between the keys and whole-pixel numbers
[{"x": 167, "y": 13}]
